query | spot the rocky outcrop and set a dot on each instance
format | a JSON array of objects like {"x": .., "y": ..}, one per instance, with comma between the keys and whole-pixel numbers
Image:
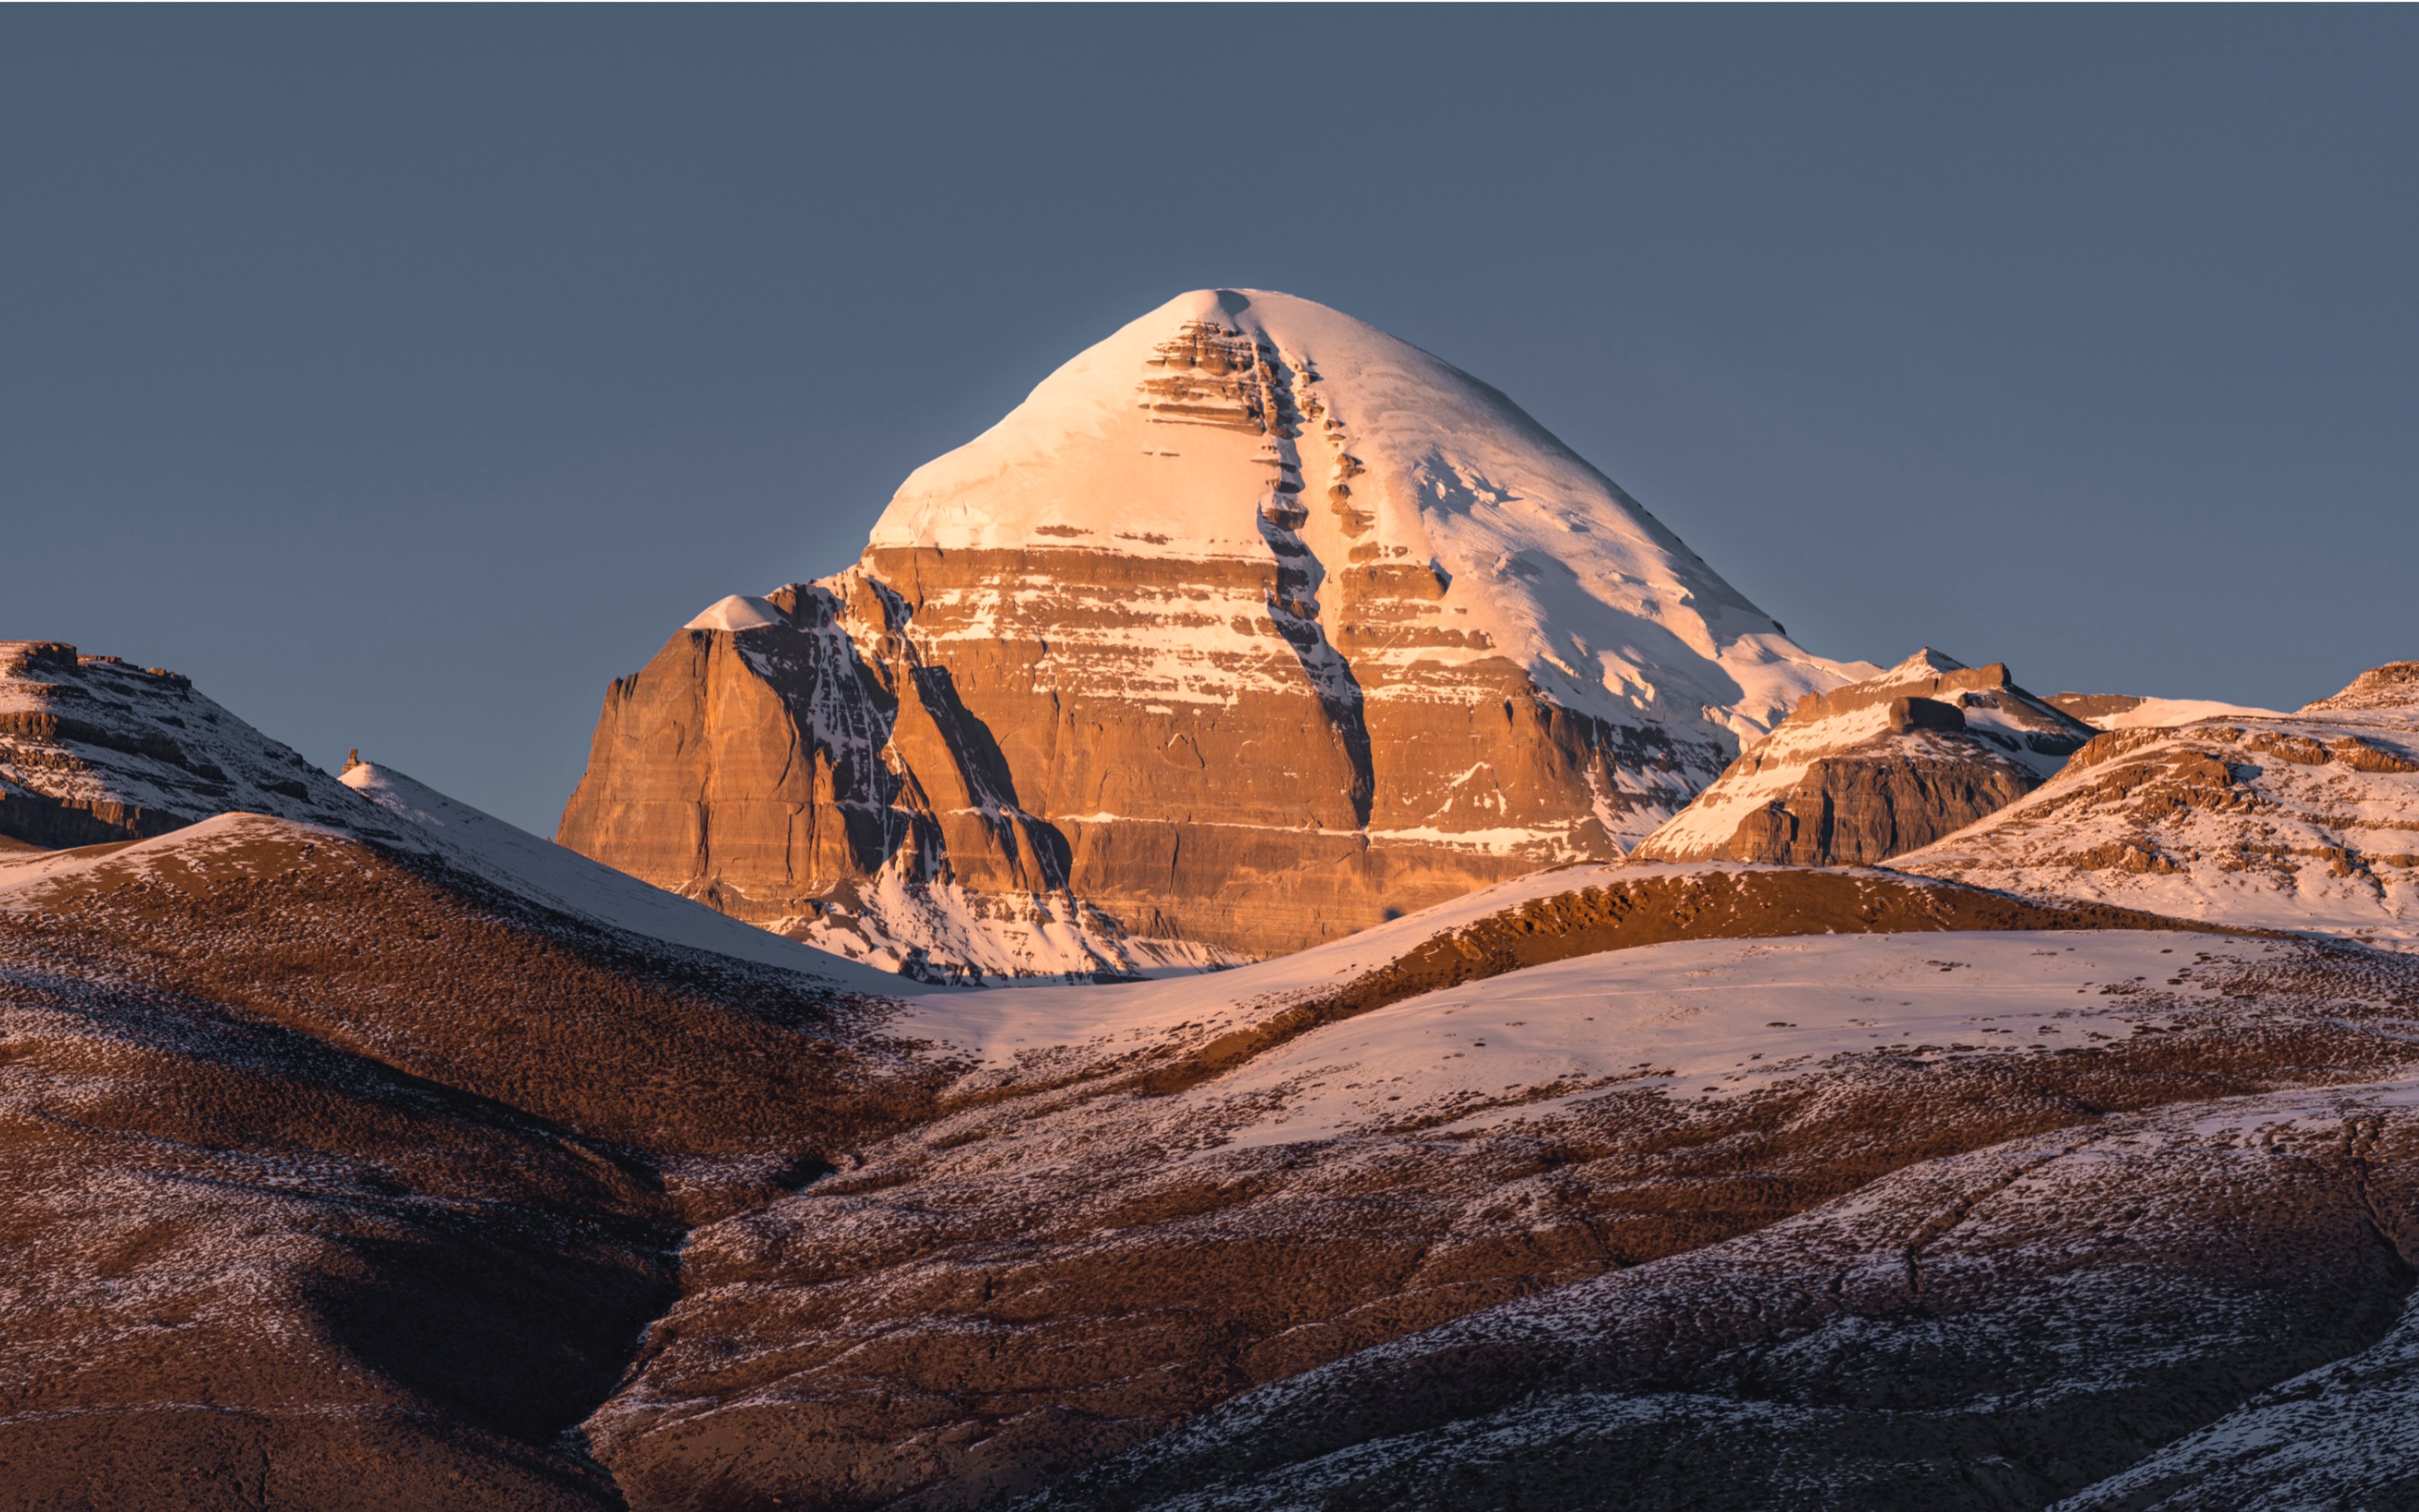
[
  {"x": 2393, "y": 687},
  {"x": 1250, "y": 628},
  {"x": 793, "y": 762},
  {"x": 2301, "y": 820},
  {"x": 2088, "y": 707},
  {"x": 95, "y": 750},
  {"x": 1877, "y": 768}
]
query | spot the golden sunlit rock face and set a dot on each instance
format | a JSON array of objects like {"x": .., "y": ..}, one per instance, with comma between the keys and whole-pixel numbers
[{"x": 1251, "y": 627}]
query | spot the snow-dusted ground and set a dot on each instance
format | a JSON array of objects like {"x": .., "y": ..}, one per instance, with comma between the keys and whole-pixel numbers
[
  {"x": 1964, "y": 1331},
  {"x": 198, "y": 848},
  {"x": 2328, "y": 1438},
  {"x": 998, "y": 1025},
  {"x": 1716, "y": 1017},
  {"x": 565, "y": 881},
  {"x": 1462, "y": 1138}
]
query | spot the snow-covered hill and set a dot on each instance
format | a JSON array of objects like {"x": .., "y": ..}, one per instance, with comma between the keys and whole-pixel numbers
[
  {"x": 563, "y": 880},
  {"x": 1879, "y": 767},
  {"x": 94, "y": 749},
  {"x": 1140, "y": 1200},
  {"x": 2308, "y": 821}
]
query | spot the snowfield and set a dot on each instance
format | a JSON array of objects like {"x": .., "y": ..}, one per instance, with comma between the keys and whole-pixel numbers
[{"x": 1704, "y": 1018}]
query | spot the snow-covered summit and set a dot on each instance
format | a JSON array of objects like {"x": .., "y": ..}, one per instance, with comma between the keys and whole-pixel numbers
[
  {"x": 1193, "y": 430},
  {"x": 735, "y": 611},
  {"x": 1250, "y": 626}
]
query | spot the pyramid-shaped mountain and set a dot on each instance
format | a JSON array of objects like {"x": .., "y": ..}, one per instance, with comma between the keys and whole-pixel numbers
[{"x": 1250, "y": 626}]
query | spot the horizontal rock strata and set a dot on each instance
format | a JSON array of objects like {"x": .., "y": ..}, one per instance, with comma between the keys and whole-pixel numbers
[
  {"x": 1250, "y": 628},
  {"x": 94, "y": 750},
  {"x": 2300, "y": 820},
  {"x": 1867, "y": 772}
]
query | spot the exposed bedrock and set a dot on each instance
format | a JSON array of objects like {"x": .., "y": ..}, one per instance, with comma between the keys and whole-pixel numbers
[
  {"x": 763, "y": 767},
  {"x": 94, "y": 749},
  {"x": 1874, "y": 806},
  {"x": 1877, "y": 768}
]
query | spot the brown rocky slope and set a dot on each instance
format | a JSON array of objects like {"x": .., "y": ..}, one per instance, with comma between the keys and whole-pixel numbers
[
  {"x": 336, "y": 1178},
  {"x": 2070, "y": 1317},
  {"x": 347, "y": 1148},
  {"x": 1087, "y": 1246},
  {"x": 340, "y": 1178}
]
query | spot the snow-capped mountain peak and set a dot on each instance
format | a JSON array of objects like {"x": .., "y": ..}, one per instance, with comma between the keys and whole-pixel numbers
[
  {"x": 1227, "y": 420},
  {"x": 1251, "y": 626}
]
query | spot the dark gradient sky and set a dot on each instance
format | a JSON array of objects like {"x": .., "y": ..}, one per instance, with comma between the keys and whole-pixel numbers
[{"x": 405, "y": 376}]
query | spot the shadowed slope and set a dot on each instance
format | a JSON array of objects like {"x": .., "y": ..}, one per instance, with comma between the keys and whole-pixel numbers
[{"x": 337, "y": 1178}]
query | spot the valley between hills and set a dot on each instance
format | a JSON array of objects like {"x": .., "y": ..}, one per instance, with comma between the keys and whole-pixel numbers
[{"x": 1276, "y": 941}]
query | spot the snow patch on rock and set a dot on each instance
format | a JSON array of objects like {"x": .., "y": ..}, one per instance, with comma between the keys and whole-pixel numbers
[
  {"x": 736, "y": 611},
  {"x": 937, "y": 930}
]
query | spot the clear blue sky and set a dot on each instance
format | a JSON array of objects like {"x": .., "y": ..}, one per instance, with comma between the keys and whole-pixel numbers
[{"x": 405, "y": 376}]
